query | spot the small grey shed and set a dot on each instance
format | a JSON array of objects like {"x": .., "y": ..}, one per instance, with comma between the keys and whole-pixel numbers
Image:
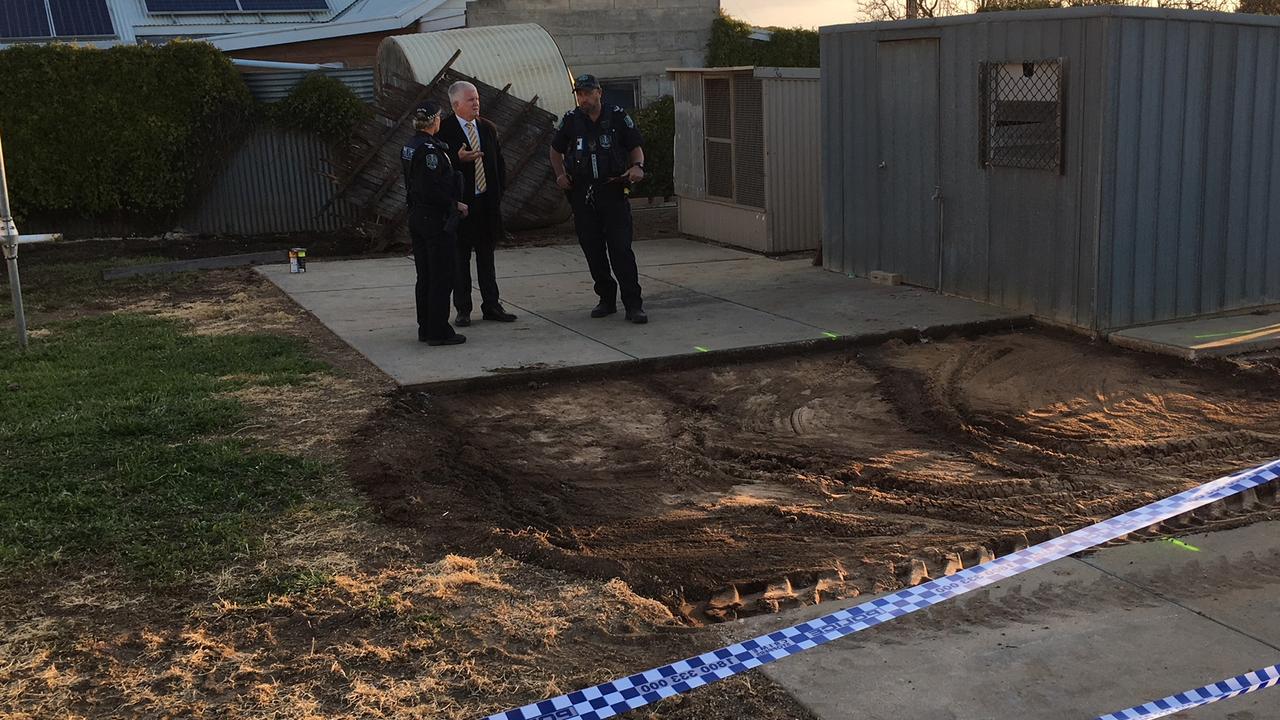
[
  {"x": 1098, "y": 167},
  {"x": 746, "y": 156}
]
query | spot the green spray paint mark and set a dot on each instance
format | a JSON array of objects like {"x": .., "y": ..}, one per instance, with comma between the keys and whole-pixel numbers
[
  {"x": 699, "y": 348},
  {"x": 831, "y": 335},
  {"x": 1179, "y": 543}
]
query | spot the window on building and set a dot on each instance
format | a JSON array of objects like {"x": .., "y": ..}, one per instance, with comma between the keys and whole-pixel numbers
[
  {"x": 1022, "y": 114},
  {"x": 624, "y": 92},
  {"x": 717, "y": 93},
  {"x": 733, "y": 125}
]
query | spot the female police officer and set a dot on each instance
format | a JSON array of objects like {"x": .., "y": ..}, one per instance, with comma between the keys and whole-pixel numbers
[{"x": 434, "y": 193}]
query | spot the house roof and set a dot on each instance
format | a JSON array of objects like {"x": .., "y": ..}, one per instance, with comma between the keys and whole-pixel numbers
[
  {"x": 132, "y": 22},
  {"x": 362, "y": 16}
]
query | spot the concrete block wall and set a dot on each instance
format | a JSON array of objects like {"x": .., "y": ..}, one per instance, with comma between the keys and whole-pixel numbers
[{"x": 615, "y": 38}]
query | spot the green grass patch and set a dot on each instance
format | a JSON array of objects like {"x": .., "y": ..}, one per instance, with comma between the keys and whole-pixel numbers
[
  {"x": 299, "y": 583},
  {"x": 111, "y": 446}
]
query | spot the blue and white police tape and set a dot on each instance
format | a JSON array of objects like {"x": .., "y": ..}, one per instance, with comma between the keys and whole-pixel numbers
[
  {"x": 1232, "y": 687},
  {"x": 625, "y": 694}
]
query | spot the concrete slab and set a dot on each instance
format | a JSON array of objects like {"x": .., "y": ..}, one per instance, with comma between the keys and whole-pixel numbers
[
  {"x": 1231, "y": 576},
  {"x": 673, "y": 251},
  {"x": 1067, "y": 641},
  {"x": 685, "y": 320},
  {"x": 1208, "y": 337},
  {"x": 826, "y": 301},
  {"x": 525, "y": 262},
  {"x": 701, "y": 299},
  {"x": 369, "y": 307},
  {"x": 491, "y": 348},
  {"x": 342, "y": 275}
]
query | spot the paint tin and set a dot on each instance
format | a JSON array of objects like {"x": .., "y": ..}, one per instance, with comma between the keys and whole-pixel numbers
[{"x": 298, "y": 260}]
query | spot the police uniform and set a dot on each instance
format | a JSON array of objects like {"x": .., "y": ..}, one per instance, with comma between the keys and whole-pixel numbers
[
  {"x": 596, "y": 155},
  {"x": 433, "y": 191}
]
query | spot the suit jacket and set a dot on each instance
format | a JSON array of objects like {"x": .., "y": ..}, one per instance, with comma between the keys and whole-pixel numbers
[{"x": 495, "y": 168}]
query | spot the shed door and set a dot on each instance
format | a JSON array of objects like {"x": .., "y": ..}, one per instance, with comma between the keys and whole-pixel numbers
[{"x": 909, "y": 147}]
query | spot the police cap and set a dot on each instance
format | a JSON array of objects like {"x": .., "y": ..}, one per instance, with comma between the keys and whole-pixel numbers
[
  {"x": 427, "y": 110},
  {"x": 585, "y": 82}
]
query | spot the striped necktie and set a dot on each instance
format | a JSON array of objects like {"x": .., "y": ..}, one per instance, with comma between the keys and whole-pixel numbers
[{"x": 474, "y": 140}]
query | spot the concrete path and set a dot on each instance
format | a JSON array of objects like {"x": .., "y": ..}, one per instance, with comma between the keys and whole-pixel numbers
[
  {"x": 1070, "y": 641},
  {"x": 1207, "y": 337},
  {"x": 700, "y": 298}
]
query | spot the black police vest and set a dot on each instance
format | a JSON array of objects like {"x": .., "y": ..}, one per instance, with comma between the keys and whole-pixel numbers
[
  {"x": 595, "y": 155},
  {"x": 406, "y": 162}
]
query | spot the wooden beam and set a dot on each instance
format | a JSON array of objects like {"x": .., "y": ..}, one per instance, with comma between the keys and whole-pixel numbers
[
  {"x": 539, "y": 144},
  {"x": 391, "y": 131}
]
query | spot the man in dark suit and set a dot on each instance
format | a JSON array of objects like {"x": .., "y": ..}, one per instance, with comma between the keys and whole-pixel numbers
[{"x": 476, "y": 151}]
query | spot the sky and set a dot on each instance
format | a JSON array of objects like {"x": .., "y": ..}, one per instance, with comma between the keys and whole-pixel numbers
[{"x": 797, "y": 13}]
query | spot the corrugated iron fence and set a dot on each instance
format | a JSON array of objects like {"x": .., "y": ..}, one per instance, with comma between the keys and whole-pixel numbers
[
  {"x": 272, "y": 184},
  {"x": 274, "y": 181},
  {"x": 272, "y": 87}
]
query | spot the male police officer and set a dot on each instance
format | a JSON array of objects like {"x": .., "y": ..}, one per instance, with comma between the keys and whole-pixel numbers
[
  {"x": 595, "y": 154},
  {"x": 434, "y": 192}
]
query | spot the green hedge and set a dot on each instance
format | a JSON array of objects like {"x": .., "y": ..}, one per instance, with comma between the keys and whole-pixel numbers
[
  {"x": 130, "y": 129},
  {"x": 321, "y": 105},
  {"x": 657, "y": 121},
  {"x": 731, "y": 45}
]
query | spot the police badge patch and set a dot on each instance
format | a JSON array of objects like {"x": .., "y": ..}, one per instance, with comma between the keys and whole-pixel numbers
[
  {"x": 606, "y": 142},
  {"x": 432, "y": 160}
]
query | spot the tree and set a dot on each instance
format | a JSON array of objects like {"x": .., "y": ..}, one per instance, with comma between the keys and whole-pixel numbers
[
  {"x": 1259, "y": 7},
  {"x": 897, "y": 9}
]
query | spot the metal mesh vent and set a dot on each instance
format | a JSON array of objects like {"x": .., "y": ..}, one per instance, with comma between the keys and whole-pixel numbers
[
  {"x": 718, "y": 110},
  {"x": 720, "y": 169},
  {"x": 1022, "y": 115},
  {"x": 748, "y": 141}
]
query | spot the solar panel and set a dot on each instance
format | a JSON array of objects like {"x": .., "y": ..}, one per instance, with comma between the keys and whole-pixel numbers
[
  {"x": 81, "y": 18},
  {"x": 286, "y": 5},
  {"x": 161, "y": 6},
  {"x": 23, "y": 19}
]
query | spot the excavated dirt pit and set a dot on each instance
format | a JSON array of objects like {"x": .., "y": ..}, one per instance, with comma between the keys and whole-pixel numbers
[{"x": 736, "y": 490}]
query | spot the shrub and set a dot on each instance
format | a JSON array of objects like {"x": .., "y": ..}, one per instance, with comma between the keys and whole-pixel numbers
[
  {"x": 731, "y": 45},
  {"x": 658, "y": 123},
  {"x": 321, "y": 105},
  {"x": 129, "y": 129}
]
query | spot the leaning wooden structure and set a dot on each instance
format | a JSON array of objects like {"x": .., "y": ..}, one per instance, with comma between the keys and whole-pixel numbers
[{"x": 366, "y": 172}]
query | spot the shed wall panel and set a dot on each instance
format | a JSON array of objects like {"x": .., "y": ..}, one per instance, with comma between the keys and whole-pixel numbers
[{"x": 793, "y": 145}]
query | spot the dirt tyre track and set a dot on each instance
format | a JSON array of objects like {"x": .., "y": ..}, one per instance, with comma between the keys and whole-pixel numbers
[{"x": 736, "y": 490}]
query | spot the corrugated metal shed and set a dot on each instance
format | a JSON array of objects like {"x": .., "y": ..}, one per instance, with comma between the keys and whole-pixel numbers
[
  {"x": 1191, "y": 182},
  {"x": 272, "y": 87},
  {"x": 1165, "y": 201},
  {"x": 793, "y": 140},
  {"x": 747, "y": 156},
  {"x": 523, "y": 55}
]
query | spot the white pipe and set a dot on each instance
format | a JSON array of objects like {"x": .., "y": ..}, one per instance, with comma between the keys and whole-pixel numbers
[
  {"x": 275, "y": 65},
  {"x": 47, "y": 237}
]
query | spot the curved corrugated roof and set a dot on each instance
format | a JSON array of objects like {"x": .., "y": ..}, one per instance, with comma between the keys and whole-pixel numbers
[{"x": 524, "y": 55}]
